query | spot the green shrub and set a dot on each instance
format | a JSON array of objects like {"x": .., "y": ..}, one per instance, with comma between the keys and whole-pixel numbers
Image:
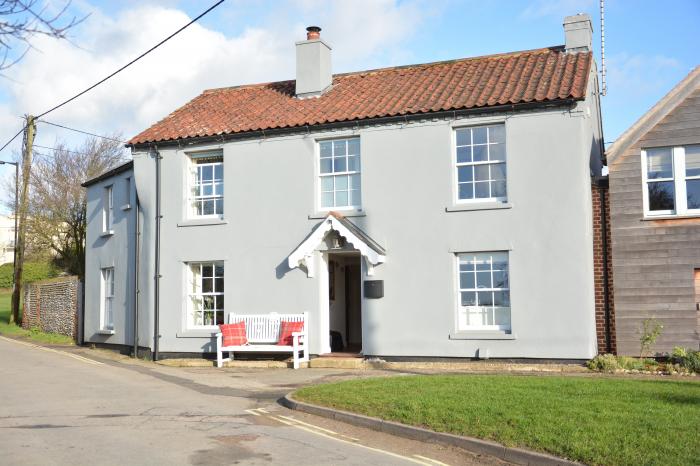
[
  {"x": 603, "y": 363},
  {"x": 32, "y": 272},
  {"x": 686, "y": 358},
  {"x": 631, "y": 364}
]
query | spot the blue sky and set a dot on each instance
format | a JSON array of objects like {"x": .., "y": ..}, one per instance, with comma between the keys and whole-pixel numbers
[{"x": 650, "y": 46}]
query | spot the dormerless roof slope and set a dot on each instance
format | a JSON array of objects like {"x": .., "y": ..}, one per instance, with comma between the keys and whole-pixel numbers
[{"x": 539, "y": 76}]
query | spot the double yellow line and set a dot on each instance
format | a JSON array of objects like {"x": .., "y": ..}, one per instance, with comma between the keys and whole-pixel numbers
[{"x": 327, "y": 433}]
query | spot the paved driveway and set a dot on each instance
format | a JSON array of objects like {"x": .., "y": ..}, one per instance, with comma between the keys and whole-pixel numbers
[{"x": 81, "y": 407}]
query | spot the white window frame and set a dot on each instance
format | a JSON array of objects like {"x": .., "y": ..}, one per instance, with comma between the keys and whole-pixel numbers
[
  {"x": 107, "y": 298},
  {"x": 679, "y": 182},
  {"x": 320, "y": 176},
  {"x": 108, "y": 210},
  {"x": 191, "y": 295},
  {"x": 456, "y": 165},
  {"x": 460, "y": 309},
  {"x": 127, "y": 194},
  {"x": 194, "y": 169}
]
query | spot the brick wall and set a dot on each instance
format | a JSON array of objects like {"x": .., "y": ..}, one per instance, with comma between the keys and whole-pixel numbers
[
  {"x": 53, "y": 305},
  {"x": 598, "y": 187}
]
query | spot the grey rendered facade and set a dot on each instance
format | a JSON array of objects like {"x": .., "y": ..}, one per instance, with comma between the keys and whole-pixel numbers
[
  {"x": 409, "y": 207},
  {"x": 656, "y": 257}
]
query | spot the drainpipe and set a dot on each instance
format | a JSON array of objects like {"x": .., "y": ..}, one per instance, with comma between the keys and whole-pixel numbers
[
  {"x": 137, "y": 256},
  {"x": 606, "y": 284},
  {"x": 156, "y": 295}
]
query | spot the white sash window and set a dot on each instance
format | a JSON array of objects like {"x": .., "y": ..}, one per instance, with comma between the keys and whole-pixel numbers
[{"x": 671, "y": 177}]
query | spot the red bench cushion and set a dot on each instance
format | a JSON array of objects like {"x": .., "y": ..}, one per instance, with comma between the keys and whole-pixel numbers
[
  {"x": 234, "y": 334},
  {"x": 286, "y": 330}
]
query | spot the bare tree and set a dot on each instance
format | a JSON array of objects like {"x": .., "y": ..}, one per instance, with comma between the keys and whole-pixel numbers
[
  {"x": 20, "y": 20},
  {"x": 57, "y": 202}
]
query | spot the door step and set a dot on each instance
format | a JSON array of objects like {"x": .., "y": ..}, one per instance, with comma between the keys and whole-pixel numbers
[{"x": 354, "y": 362}]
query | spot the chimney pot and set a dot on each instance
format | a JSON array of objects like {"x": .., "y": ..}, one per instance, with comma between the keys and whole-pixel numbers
[{"x": 313, "y": 32}]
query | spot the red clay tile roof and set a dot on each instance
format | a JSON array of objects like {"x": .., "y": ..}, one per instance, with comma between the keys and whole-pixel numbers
[{"x": 541, "y": 75}]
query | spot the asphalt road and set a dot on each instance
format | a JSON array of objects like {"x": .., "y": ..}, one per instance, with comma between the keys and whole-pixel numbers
[{"x": 75, "y": 407}]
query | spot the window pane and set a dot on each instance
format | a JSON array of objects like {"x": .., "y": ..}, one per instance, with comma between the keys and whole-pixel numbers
[
  {"x": 220, "y": 302},
  {"x": 219, "y": 206},
  {"x": 498, "y": 171},
  {"x": 339, "y": 164},
  {"x": 219, "y": 285},
  {"x": 480, "y": 153},
  {"x": 692, "y": 160},
  {"x": 208, "y": 207},
  {"x": 659, "y": 163},
  {"x": 341, "y": 182},
  {"x": 353, "y": 164},
  {"x": 497, "y": 152},
  {"x": 466, "y": 191},
  {"x": 485, "y": 298},
  {"x": 481, "y": 173},
  {"x": 468, "y": 298},
  {"x": 341, "y": 198},
  {"x": 466, "y": 280},
  {"x": 325, "y": 149},
  {"x": 354, "y": 146},
  {"x": 465, "y": 174},
  {"x": 464, "y": 154},
  {"x": 207, "y": 285},
  {"x": 355, "y": 197},
  {"x": 207, "y": 271},
  {"x": 481, "y": 190},
  {"x": 207, "y": 172},
  {"x": 479, "y": 135},
  {"x": 326, "y": 165},
  {"x": 327, "y": 199},
  {"x": 339, "y": 148},
  {"x": 500, "y": 279},
  {"x": 693, "y": 193},
  {"x": 501, "y": 298},
  {"x": 327, "y": 183},
  {"x": 219, "y": 171},
  {"x": 464, "y": 137},
  {"x": 208, "y": 189},
  {"x": 498, "y": 189},
  {"x": 497, "y": 133},
  {"x": 208, "y": 302},
  {"x": 662, "y": 196},
  {"x": 355, "y": 181},
  {"x": 219, "y": 318},
  {"x": 483, "y": 279}
]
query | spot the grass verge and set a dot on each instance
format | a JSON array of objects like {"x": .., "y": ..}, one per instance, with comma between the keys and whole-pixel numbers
[
  {"x": 16, "y": 331},
  {"x": 601, "y": 420}
]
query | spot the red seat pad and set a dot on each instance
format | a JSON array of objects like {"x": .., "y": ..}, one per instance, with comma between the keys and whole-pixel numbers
[
  {"x": 234, "y": 334},
  {"x": 286, "y": 330}
]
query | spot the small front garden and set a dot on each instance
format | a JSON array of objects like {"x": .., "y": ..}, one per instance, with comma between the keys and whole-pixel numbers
[{"x": 595, "y": 420}]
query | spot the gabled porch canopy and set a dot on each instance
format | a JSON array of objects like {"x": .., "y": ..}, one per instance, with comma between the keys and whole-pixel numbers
[{"x": 370, "y": 250}]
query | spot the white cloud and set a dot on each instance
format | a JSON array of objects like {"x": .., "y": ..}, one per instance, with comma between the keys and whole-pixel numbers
[
  {"x": 361, "y": 33},
  {"x": 639, "y": 75}
]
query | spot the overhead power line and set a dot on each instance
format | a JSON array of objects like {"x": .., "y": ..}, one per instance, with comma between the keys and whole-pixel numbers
[
  {"x": 59, "y": 150},
  {"x": 132, "y": 61},
  {"x": 116, "y": 72},
  {"x": 81, "y": 131}
]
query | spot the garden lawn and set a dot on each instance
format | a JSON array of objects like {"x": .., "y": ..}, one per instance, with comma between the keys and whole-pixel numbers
[
  {"x": 15, "y": 330},
  {"x": 595, "y": 420}
]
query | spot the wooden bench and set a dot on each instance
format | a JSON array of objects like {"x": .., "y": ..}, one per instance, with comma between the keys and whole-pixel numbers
[{"x": 262, "y": 331}]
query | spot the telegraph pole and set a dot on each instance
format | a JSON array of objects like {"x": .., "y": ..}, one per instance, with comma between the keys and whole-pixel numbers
[{"x": 29, "y": 133}]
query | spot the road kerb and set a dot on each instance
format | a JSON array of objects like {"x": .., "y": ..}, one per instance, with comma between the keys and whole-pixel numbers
[{"x": 474, "y": 445}]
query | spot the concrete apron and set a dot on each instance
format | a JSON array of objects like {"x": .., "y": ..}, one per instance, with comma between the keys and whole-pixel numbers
[
  {"x": 369, "y": 364},
  {"x": 478, "y": 446}
]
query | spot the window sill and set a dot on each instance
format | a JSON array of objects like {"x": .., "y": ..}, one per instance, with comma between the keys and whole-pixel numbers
[
  {"x": 105, "y": 332},
  {"x": 482, "y": 335},
  {"x": 196, "y": 222},
  {"x": 648, "y": 218},
  {"x": 479, "y": 206},
  {"x": 198, "y": 333},
  {"x": 126, "y": 207},
  {"x": 105, "y": 234},
  {"x": 344, "y": 213}
]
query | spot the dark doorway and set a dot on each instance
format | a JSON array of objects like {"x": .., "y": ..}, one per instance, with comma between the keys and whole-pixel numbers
[{"x": 345, "y": 302}]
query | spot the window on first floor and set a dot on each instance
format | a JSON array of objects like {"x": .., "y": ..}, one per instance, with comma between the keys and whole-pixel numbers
[
  {"x": 108, "y": 209},
  {"x": 481, "y": 163},
  {"x": 107, "y": 298},
  {"x": 339, "y": 174},
  {"x": 671, "y": 177},
  {"x": 484, "y": 291},
  {"x": 206, "y": 184},
  {"x": 205, "y": 294}
]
